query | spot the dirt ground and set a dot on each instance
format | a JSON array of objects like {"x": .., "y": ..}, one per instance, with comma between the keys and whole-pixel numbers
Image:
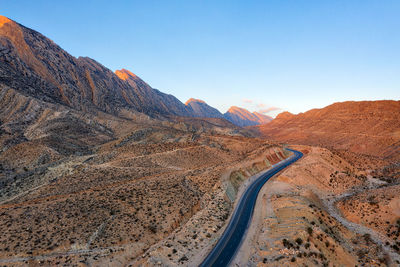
[{"x": 153, "y": 194}]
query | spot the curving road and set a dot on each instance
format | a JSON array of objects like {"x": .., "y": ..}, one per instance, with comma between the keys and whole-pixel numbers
[{"x": 230, "y": 241}]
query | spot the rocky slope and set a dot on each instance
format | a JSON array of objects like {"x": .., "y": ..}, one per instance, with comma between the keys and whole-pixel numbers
[
  {"x": 368, "y": 127},
  {"x": 242, "y": 117},
  {"x": 35, "y": 66}
]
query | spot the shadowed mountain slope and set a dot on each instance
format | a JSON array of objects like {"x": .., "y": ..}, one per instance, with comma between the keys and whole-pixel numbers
[{"x": 202, "y": 109}]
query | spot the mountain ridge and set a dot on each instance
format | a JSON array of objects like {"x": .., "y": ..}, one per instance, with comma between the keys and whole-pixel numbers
[{"x": 36, "y": 66}]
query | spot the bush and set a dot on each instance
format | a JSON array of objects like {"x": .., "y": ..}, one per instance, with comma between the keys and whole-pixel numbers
[
  {"x": 309, "y": 230},
  {"x": 153, "y": 228},
  {"x": 299, "y": 241}
]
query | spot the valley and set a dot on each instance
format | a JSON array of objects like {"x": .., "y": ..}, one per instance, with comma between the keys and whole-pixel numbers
[{"x": 97, "y": 168}]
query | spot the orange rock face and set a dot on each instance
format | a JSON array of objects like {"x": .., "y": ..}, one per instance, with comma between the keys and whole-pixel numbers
[
  {"x": 124, "y": 74},
  {"x": 3, "y": 20},
  {"x": 367, "y": 127}
]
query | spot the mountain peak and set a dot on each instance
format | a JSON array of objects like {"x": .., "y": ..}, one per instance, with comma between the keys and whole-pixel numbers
[
  {"x": 235, "y": 108},
  {"x": 125, "y": 74},
  {"x": 194, "y": 100},
  {"x": 285, "y": 115},
  {"x": 202, "y": 109},
  {"x": 4, "y": 20}
]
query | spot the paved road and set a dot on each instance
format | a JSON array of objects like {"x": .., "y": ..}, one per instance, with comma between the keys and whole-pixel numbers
[{"x": 231, "y": 239}]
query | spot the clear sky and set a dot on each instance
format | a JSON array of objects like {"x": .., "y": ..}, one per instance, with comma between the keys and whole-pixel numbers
[{"x": 291, "y": 54}]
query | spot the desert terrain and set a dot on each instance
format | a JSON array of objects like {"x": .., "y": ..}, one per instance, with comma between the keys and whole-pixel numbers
[
  {"x": 100, "y": 168},
  {"x": 150, "y": 192},
  {"x": 350, "y": 173},
  {"x": 97, "y": 168},
  {"x": 317, "y": 213}
]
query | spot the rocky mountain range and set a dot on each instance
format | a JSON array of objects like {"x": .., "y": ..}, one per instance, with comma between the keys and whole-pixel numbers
[
  {"x": 35, "y": 66},
  {"x": 238, "y": 116}
]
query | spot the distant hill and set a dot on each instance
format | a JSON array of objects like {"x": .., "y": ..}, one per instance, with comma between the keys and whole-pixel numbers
[
  {"x": 238, "y": 116},
  {"x": 368, "y": 127},
  {"x": 242, "y": 117}
]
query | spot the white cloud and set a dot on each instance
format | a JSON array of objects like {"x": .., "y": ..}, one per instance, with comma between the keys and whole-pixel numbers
[{"x": 268, "y": 110}]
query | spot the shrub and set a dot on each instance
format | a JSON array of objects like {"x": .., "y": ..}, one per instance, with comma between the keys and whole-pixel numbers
[
  {"x": 153, "y": 228},
  {"x": 309, "y": 230}
]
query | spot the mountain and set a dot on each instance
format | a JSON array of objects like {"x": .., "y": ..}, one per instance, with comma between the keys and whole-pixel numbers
[
  {"x": 153, "y": 98},
  {"x": 262, "y": 118},
  {"x": 35, "y": 66},
  {"x": 242, "y": 117},
  {"x": 60, "y": 105},
  {"x": 202, "y": 109},
  {"x": 238, "y": 116},
  {"x": 367, "y": 127}
]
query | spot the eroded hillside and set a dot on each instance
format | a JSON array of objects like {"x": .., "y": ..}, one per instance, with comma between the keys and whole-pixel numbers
[{"x": 325, "y": 211}]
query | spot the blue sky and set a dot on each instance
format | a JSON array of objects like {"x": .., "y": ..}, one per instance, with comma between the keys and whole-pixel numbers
[{"x": 291, "y": 54}]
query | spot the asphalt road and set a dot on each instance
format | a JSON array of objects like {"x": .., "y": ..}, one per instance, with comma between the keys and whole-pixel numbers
[{"x": 231, "y": 239}]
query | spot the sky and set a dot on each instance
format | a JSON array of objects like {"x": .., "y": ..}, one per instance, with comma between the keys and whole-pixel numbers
[{"x": 265, "y": 56}]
